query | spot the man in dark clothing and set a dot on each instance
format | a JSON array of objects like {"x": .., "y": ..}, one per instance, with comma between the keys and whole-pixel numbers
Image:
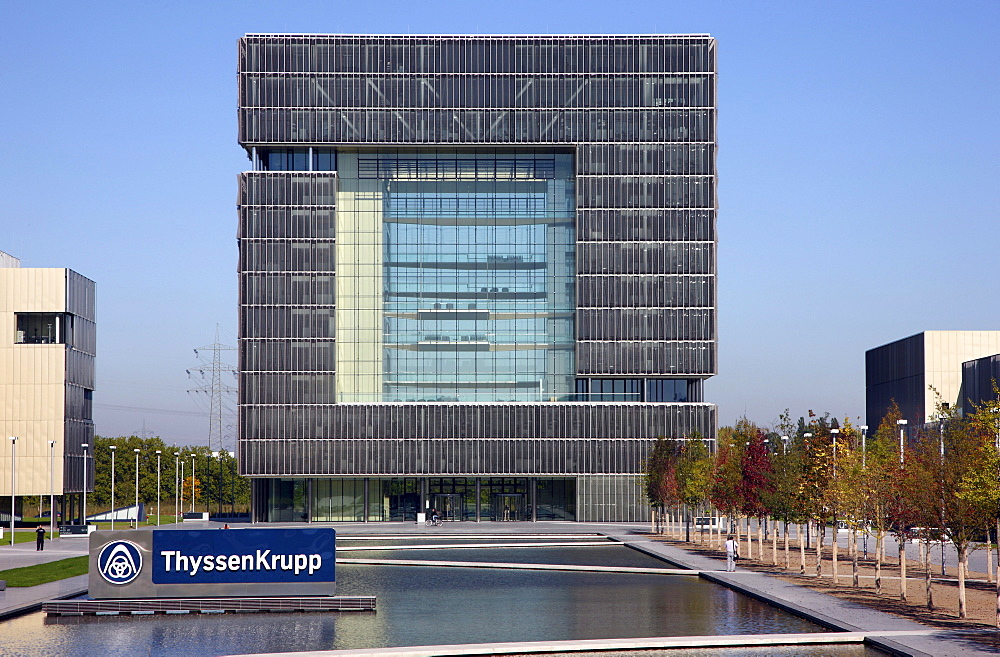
[{"x": 40, "y": 538}]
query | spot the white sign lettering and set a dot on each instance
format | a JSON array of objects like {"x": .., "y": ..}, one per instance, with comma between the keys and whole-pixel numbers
[{"x": 174, "y": 560}]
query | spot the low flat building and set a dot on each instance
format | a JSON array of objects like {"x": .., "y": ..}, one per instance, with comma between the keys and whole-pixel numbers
[
  {"x": 48, "y": 342},
  {"x": 915, "y": 370}
]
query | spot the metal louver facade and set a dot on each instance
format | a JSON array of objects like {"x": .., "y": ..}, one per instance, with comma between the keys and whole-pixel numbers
[{"x": 364, "y": 356}]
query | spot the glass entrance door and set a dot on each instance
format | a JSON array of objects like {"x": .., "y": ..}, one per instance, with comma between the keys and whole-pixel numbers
[
  {"x": 449, "y": 505},
  {"x": 508, "y": 507}
]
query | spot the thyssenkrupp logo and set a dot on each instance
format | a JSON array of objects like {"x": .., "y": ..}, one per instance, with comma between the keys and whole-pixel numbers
[{"x": 119, "y": 562}]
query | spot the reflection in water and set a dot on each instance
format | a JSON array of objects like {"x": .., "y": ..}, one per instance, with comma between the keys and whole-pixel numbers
[{"x": 421, "y": 606}]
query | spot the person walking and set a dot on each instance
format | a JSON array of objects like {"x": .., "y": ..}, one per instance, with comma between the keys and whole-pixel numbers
[
  {"x": 732, "y": 554},
  {"x": 39, "y": 538}
]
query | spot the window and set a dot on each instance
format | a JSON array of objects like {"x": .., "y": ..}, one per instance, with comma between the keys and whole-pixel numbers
[{"x": 41, "y": 328}]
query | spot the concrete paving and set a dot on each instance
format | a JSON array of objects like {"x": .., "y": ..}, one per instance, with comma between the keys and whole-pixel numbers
[
  {"x": 827, "y": 610},
  {"x": 592, "y": 645},
  {"x": 21, "y": 600}
]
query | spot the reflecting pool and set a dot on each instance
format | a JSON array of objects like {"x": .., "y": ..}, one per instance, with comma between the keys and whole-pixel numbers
[{"x": 426, "y": 605}]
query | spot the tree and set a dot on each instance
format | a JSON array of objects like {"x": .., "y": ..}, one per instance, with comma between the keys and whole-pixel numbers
[
  {"x": 694, "y": 473},
  {"x": 755, "y": 485},
  {"x": 660, "y": 478}
]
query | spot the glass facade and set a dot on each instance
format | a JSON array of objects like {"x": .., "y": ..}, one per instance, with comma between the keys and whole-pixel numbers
[
  {"x": 476, "y": 283},
  {"x": 479, "y": 256}
]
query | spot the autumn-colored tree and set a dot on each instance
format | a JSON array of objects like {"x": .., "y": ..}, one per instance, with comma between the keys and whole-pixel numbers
[
  {"x": 660, "y": 478},
  {"x": 726, "y": 474},
  {"x": 756, "y": 483},
  {"x": 694, "y": 473}
]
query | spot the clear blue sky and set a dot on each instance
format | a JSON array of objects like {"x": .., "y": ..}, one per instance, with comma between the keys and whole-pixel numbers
[{"x": 858, "y": 165}]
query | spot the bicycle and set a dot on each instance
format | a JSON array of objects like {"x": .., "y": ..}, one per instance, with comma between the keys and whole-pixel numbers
[{"x": 434, "y": 522}]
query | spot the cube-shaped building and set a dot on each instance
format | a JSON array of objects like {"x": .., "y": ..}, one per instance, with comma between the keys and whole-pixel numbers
[
  {"x": 48, "y": 343},
  {"x": 477, "y": 273}
]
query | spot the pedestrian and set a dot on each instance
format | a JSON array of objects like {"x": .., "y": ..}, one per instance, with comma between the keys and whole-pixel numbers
[
  {"x": 39, "y": 538},
  {"x": 732, "y": 554}
]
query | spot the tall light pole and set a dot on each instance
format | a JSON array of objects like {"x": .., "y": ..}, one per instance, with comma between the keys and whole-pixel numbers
[
  {"x": 806, "y": 436},
  {"x": 112, "y": 448},
  {"x": 13, "y": 481},
  {"x": 83, "y": 520},
  {"x": 136, "y": 450},
  {"x": 864, "y": 464},
  {"x": 834, "y": 433},
  {"x": 902, "y": 435},
  {"x": 192, "y": 483},
  {"x": 177, "y": 488},
  {"x": 158, "y": 488},
  {"x": 52, "y": 488},
  {"x": 182, "y": 488},
  {"x": 784, "y": 445}
]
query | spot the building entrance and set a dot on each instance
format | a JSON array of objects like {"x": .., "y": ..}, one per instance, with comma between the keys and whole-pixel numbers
[
  {"x": 449, "y": 506},
  {"x": 509, "y": 507}
]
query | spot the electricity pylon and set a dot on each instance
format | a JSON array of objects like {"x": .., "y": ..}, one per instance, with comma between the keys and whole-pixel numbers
[{"x": 211, "y": 371}]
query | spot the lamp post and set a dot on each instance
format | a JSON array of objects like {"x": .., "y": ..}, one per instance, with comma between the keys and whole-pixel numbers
[
  {"x": 834, "y": 433},
  {"x": 807, "y": 436},
  {"x": 13, "y": 482},
  {"x": 112, "y": 448},
  {"x": 192, "y": 483},
  {"x": 944, "y": 571},
  {"x": 158, "y": 488},
  {"x": 784, "y": 445},
  {"x": 864, "y": 455},
  {"x": 52, "y": 488},
  {"x": 177, "y": 488},
  {"x": 136, "y": 450},
  {"x": 181, "y": 499},
  {"x": 83, "y": 520},
  {"x": 902, "y": 435}
]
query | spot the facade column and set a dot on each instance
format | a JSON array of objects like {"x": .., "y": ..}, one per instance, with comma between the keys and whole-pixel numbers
[
  {"x": 478, "y": 498},
  {"x": 365, "y": 480},
  {"x": 534, "y": 499}
]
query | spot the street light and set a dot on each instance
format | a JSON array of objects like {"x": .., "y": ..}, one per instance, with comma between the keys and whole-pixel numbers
[
  {"x": 807, "y": 436},
  {"x": 157, "y": 488},
  {"x": 112, "y": 448},
  {"x": 834, "y": 432},
  {"x": 52, "y": 488},
  {"x": 136, "y": 450},
  {"x": 182, "y": 489},
  {"x": 864, "y": 445},
  {"x": 177, "y": 488},
  {"x": 902, "y": 432},
  {"x": 784, "y": 444},
  {"x": 192, "y": 483},
  {"x": 13, "y": 481},
  {"x": 83, "y": 521}
]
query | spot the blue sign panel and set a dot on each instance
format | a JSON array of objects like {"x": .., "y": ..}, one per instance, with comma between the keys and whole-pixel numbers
[{"x": 243, "y": 556}]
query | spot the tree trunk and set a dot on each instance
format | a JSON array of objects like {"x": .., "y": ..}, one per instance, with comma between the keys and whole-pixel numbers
[
  {"x": 774, "y": 542},
  {"x": 786, "y": 545},
  {"x": 802, "y": 551},
  {"x": 749, "y": 539},
  {"x": 760, "y": 537},
  {"x": 998, "y": 571},
  {"x": 989, "y": 559},
  {"x": 963, "y": 555},
  {"x": 834, "y": 549},
  {"x": 901, "y": 540},
  {"x": 929, "y": 594},
  {"x": 878, "y": 562},
  {"x": 820, "y": 535},
  {"x": 855, "y": 579}
]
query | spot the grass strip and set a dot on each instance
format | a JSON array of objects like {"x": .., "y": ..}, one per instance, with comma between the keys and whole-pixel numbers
[{"x": 44, "y": 573}]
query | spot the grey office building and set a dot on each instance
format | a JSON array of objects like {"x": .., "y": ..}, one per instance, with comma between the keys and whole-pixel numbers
[{"x": 477, "y": 273}]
